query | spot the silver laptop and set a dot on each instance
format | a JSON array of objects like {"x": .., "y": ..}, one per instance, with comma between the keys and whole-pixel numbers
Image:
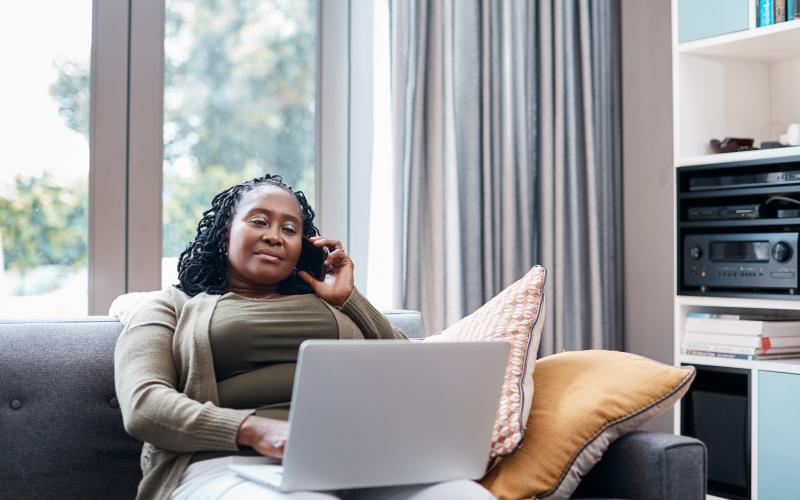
[{"x": 384, "y": 412}]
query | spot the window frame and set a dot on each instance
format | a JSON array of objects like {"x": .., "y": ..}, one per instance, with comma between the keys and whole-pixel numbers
[
  {"x": 107, "y": 231},
  {"x": 126, "y": 141}
]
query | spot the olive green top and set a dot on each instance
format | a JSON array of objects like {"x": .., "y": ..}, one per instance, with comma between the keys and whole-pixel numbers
[
  {"x": 254, "y": 344},
  {"x": 167, "y": 390}
]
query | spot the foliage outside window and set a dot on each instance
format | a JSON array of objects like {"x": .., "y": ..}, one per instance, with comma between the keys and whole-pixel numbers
[{"x": 239, "y": 101}]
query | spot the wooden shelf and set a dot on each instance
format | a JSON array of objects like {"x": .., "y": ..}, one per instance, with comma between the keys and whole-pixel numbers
[{"x": 769, "y": 43}]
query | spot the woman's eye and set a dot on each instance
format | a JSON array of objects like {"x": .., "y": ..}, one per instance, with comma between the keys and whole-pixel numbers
[
  {"x": 259, "y": 222},
  {"x": 290, "y": 230}
]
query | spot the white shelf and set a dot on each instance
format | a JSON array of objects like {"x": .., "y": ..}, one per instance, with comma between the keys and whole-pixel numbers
[
  {"x": 769, "y": 43},
  {"x": 772, "y": 365},
  {"x": 737, "y": 303},
  {"x": 758, "y": 154}
]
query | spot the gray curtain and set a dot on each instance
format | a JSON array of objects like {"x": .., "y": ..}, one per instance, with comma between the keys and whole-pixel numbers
[{"x": 507, "y": 130}]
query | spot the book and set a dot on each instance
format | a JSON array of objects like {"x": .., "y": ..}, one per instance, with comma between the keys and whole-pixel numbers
[
  {"x": 748, "y": 351},
  {"x": 766, "y": 12},
  {"x": 768, "y": 327},
  {"x": 780, "y": 11},
  {"x": 765, "y": 343},
  {"x": 712, "y": 315},
  {"x": 792, "y": 10},
  {"x": 751, "y": 357}
]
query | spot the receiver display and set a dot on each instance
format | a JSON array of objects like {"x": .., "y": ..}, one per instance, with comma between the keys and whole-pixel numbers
[{"x": 740, "y": 251}]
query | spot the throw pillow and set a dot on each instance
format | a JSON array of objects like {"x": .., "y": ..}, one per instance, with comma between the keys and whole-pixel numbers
[
  {"x": 584, "y": 401},
  {"x": 515, "y": 315}
]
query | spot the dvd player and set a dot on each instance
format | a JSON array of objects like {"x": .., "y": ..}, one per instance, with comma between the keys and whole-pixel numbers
[
  {"x": 725, "y": 212},
  {"x": 744, "y": 180}
]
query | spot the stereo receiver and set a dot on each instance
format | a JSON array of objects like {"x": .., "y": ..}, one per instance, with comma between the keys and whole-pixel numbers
[{"x": 741, "y": 260}]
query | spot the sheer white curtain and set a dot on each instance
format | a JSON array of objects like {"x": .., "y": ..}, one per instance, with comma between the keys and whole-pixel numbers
[{"x": 383, "y": 238}]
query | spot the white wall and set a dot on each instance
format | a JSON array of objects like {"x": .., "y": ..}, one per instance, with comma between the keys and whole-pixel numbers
[{"x": 647, "y": 180}]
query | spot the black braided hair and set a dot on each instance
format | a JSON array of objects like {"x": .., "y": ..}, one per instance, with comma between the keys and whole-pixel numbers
[{"x": 203, "y": 265}]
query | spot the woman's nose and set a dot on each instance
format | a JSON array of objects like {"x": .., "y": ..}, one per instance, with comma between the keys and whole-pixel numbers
[{"x": 271, "y": 236}]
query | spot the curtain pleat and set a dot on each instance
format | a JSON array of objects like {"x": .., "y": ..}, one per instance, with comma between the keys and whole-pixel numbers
[{"x": 507, "y": 130}]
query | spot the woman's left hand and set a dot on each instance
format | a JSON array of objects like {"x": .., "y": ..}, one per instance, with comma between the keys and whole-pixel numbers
[{"x": 339, "y": 281}]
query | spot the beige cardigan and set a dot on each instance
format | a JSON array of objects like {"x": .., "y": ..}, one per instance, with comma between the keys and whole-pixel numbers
[{"x": 165, "y": 383}]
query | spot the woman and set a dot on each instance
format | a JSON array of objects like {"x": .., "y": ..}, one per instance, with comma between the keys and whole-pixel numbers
[{"x": 204, "y": 371}]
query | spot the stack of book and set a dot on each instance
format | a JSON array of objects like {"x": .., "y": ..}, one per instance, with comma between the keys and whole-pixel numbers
[
  {"x": 777, "y": 11},
  {"x": 741, "y": 336}
]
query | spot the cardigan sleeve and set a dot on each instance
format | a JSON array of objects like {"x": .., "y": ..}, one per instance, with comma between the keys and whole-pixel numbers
[
  {"x": 145, "y": 377},
  {"x": 369, "y": 320}
]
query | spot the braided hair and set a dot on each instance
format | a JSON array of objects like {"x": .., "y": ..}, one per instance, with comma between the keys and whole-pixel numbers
[{"x": 203, "y": 265}]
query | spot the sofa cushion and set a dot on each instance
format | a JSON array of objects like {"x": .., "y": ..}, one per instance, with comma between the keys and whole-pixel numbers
[
  {"x": 584, "y": 401},
  {"x": 515, "y": 315},
  {"x": 60, "y": 425}
]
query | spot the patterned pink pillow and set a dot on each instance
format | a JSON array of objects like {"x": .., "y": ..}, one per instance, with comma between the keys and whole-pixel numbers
[{"x": 515, "y": 315}]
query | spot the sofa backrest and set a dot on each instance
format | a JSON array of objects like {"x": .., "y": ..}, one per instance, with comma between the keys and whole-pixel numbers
[{"x": 61, "y": 433}]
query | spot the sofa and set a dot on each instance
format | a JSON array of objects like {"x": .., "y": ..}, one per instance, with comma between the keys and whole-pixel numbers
[{"x": 61, "y": 433}]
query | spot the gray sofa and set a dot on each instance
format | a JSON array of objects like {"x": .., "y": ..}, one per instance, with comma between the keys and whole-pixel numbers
[{"x": 61, "y": 433}]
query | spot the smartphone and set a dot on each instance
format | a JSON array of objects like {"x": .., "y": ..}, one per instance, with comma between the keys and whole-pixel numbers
[{"x": 312, "y": 260}]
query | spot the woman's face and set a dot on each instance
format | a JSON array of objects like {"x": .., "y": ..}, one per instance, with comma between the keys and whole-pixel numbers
[{"x": 265, "y": 237}]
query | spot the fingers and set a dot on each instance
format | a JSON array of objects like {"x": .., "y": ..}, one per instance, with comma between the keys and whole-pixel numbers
[
  {"x": 271, "y": 447},
  {"x": 335, "y": 259},
  {"x": 312, "y": 281},
  {"x": 330, "y": 244}
]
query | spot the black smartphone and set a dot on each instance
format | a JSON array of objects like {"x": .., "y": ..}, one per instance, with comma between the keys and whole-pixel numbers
[{"x": 312, "y": 260}]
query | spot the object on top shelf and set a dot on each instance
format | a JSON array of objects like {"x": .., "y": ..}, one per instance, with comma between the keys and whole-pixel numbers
[
  {"x": 792, "y": 135},
  {"x": 780, "y": 10},
  {"x": 731, "y": 145},
  {"x": 792, "y": 10},
  {"x": 775, "y": 11},
  {"x": 766, "y": 12}
]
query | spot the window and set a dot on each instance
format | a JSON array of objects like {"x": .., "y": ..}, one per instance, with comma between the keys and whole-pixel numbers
[
  {"x": 44, "y": 158},
  {"x": 90, "y": 208},
  {"x": 239, "y": 102}
]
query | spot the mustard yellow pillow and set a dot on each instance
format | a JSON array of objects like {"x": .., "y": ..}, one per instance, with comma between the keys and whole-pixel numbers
[{"x": 584, "y": 401}]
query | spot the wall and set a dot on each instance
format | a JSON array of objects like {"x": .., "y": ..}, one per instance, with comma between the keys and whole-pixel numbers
[{"x": 647, "y": 181}]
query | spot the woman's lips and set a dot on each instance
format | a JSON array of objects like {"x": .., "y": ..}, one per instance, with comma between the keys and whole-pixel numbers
[{"x": 268, "y": 257}]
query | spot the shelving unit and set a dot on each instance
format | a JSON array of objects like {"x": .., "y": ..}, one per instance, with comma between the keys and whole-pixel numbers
[{"x": 744, "y": 83}]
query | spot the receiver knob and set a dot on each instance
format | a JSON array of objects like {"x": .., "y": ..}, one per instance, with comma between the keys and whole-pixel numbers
[
  {"x": 695, "y": 252},
  {"x": 782, "y": 251}
]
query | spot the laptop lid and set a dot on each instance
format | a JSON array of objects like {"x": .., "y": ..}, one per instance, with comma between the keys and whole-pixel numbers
[{"x": 382, "y": 412}]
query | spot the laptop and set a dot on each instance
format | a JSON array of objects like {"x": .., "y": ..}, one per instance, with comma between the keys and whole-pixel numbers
[{"x": 384, "y": 412}]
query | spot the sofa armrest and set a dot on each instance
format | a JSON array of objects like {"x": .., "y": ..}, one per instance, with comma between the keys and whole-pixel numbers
[
  {"x": 407, "y": 321},
  {"x": 649, "y": 465}
]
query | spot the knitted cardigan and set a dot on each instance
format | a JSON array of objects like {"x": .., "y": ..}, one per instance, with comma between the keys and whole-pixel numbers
[{"x": 166, "y": 387}]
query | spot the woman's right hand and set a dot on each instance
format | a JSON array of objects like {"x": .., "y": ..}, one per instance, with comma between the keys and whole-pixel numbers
[{"x": 266, "y": 435}]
